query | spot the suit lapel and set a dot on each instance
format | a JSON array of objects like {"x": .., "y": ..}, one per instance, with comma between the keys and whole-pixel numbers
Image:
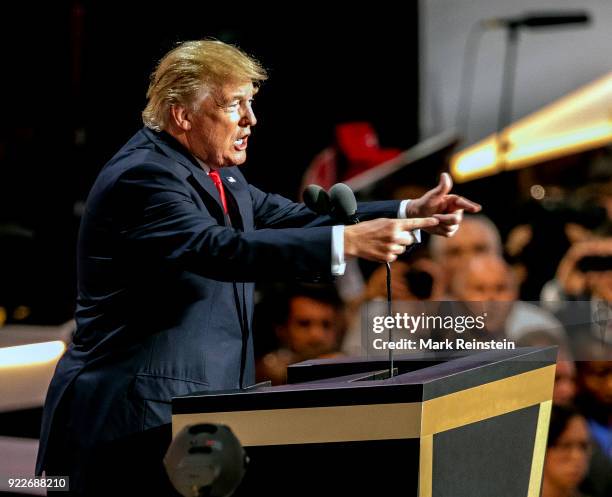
[
  {"x": 200, "y": 180},
  {"x": 241, "y": 195},
  {"x": 198, "y": 177}
]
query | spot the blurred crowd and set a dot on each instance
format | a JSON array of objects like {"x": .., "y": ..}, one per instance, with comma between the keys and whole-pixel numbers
[{"x": 549, "y": 282}]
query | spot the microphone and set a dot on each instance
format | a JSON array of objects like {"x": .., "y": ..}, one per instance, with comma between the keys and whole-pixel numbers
[
  {"x": 205, "y": 460},
  {"x": 344, "y": 206},
  {"x": 343, "y": 203},
  {"x": 317, "y": 199},
  {"x": 539, "y": 19}
]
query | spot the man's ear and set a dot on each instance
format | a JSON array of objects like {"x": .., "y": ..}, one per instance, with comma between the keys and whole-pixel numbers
[{"x": 180, "y": 117}]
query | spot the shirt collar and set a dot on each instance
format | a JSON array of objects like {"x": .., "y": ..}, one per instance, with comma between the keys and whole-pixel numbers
[{"x": 204, "y": 166}]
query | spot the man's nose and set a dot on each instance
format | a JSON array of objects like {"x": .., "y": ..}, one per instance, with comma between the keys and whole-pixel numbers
[
  {"x": 316, "y": 334},
  {"x": 249, "y": 118}
]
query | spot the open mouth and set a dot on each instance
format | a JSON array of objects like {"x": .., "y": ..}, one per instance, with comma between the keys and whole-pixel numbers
[{"x": 241, "y": 144}]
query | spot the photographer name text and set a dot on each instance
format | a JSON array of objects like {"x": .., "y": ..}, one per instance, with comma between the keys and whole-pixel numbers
[{"x": 446, "y": 344}]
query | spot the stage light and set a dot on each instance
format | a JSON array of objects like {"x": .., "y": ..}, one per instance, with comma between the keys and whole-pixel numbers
[
  {"x": 577, "y": 122},
  {"x": 31, "y": 354}
]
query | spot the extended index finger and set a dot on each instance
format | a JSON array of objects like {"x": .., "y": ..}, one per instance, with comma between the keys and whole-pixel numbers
[
  {"x": 467, "y": 205},
  {"x": 416, "y": 223}
]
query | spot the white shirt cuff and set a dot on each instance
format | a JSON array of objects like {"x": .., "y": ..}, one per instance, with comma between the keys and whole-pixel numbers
[
  {"x": 338, "y": 264},
  {"x": 401, "y": 214}
]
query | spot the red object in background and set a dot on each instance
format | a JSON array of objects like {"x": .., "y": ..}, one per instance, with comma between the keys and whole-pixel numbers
[{"x": 358, "y": 143}]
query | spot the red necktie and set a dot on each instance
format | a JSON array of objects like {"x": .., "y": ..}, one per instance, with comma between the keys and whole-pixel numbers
[{"x": 216, "y": 179}]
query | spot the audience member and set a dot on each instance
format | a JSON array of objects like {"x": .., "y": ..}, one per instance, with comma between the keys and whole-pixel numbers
[
  {"x": 595, "y": 400},
  {"x": 567, "y": 453},
  {"x": 486, "y": 284},
  {"x": 582, "y": 292},
  {"x": 565, "y": 375},
  {"x": 309, "y": 326},
  {"x": 477, "y": 236}
]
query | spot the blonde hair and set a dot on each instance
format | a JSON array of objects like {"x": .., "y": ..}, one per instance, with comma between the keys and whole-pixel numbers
[{"x": 190, "y": 67}]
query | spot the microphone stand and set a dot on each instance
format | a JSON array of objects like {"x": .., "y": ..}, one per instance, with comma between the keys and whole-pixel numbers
[
  {"x": 389, "y": 312},
  {"x": 389, "y": 308},
  {"x": 506, "y": 96},
  {"x": 344, "y": 206},
  {"x": 352, "y": 219}
]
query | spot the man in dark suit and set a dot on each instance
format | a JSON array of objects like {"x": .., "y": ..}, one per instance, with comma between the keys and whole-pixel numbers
[{"x": 171, "y": 240}]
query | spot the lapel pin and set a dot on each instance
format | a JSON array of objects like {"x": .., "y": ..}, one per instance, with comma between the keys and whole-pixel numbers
[{"x": 231, "y": 179}]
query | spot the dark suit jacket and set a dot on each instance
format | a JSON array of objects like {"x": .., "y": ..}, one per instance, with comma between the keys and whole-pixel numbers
[{"x": 163, "y": 284}]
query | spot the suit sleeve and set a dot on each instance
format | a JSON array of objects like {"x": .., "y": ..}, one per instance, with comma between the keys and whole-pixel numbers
[
  {"x": 157, "y": 221},
  {"x": 273, "y": 211}
]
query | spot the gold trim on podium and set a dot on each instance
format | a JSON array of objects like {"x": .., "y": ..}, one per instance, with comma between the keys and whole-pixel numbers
[
  {"x": 426, "y": 466},
  {"x": 539, "y": 449},
  {"x": 384, "y": 421},
  {"x": 487, "y": 400},
  {"x": 314, "y": 424}
]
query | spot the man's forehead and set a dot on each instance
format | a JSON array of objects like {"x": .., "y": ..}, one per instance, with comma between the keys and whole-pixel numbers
[
  {"x": 224, "y": 94},
  {"x": 234, "y": 90}
]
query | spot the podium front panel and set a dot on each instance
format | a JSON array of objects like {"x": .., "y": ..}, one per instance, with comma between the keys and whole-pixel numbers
[{"x": 473, "y": 426}]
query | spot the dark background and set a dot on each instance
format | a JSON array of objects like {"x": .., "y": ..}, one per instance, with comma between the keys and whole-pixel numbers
[{"x": 74, "y": 78}]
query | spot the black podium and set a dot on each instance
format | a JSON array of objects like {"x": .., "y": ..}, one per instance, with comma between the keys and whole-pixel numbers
[{"x": 443, "y": 426}]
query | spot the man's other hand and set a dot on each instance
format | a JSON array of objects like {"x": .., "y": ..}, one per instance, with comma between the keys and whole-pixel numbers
[
  {"x": 382, "y": 240},
  {"x": 446, "y": 207}
]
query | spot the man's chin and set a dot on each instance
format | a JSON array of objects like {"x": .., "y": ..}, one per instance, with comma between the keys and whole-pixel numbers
[{"x": 236, "y": 160}]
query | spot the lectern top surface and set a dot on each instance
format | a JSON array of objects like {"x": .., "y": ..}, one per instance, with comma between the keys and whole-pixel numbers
[{"x": 345, "y": 385}]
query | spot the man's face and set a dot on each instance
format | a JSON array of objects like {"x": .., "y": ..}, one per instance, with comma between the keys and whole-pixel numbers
[
  {"x": 311, "y": 329},
  {"x": 221, "y": 123},
  {"x": 596, "y": 377},
  {"x": 488, "y": 282},
  {"x": 565, "y": 383},
  {"x": 473, "y": 239},
  {"x": 486, "y": 285},
  {"x": 568, "y": 460}
]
